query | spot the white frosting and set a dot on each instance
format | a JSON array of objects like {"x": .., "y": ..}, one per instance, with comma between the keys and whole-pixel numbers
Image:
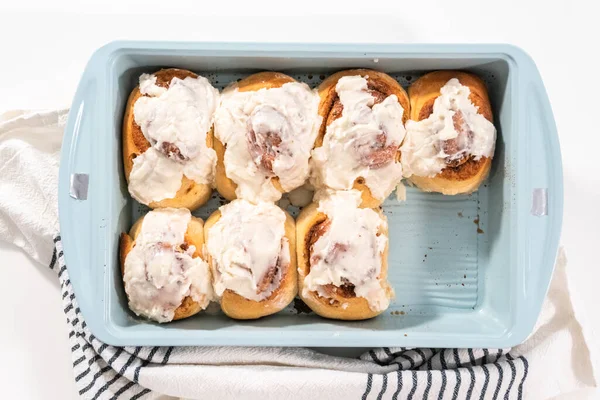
[
  {"x": 175, "y": 121},
  {"x": 289, "y": 113},
  {"x": 362, "y": 142},
  {"x": 350, "y": 250},
  {"x": 246, "y": 244},
  {"x": 158, "y": 273},
  {"x": 433, "y": 142},
  {"x": 401, "y": 192},
  {"x": 154, "y": 177},
  {"x": 149, "y": 87}
]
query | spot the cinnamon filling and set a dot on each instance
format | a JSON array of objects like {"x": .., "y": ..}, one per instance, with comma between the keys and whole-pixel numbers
[
  {"x": 165, "y": 76},
  {"x": 163, "y": 79},
  {"x": 268, "y": 278},
  {"x": 315, "y": 232},
  {"x": 264, "y": 130},
  {"x": 378, "y": 90},
  {"x": 263, "y": 147},
  {"x": 377, "y": 95},
  {"x": 139, "y": 140},
  {"x": 464, "y": 166},
  {"x": 336, "y": 109},
  {"x": 456, "y": 148},
  {"x": 374, "y": 154},
  {"x": 335, "y": 252},
  {"x": 469, "y": 168},
  {"x": 346, "y": 290},
  {"x": 172, "y": 151}
]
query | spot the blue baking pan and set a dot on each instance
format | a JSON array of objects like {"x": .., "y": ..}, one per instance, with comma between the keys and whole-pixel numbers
[{"x": 468, "y": 271}]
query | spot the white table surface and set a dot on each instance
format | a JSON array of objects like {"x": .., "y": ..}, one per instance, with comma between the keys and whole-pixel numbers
[{"x": 44, "y": 46}]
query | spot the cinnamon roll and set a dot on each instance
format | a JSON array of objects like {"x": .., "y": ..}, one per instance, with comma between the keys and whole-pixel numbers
[
  {"x": 265, "y": 129},
  {"x": 167, "y": 139},
  {"x": 251, "y": 251},
  {"x": 451, "y": 137},
  {"x": 362, "y": 129},
  {"x": 163, "y": 271},
  {"x": 342, "y": 258}
]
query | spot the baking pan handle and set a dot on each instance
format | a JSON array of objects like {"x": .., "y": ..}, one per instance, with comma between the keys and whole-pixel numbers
[
  {"x": 75, "y": 206},
  {"x": 544, "y": 185}
]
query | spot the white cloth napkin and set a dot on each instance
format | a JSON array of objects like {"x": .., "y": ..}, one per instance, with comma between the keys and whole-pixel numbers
[
  {"x": 29, "y": 155},
  {"x": 555, "y": 359}
]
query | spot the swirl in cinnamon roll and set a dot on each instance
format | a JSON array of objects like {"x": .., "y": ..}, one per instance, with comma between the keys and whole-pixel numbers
[
  {"x": 363, "y": 127},
  {"x": 450, "y": 138},
  {"x": 342, "y": 257},
  {"x": 265, "y": 129},
  {"x": 167, "y": 139},
  {"x": 164, "y": 274},
  {"x": 251, "y": 250}
]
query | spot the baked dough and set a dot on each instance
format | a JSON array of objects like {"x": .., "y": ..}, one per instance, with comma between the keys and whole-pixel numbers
[
  {"x": 190, "y": 195},
  {"x": 262, "y": 80},
  {"x": 467, "y": 177},
  {"x": 330, "y": 108},
  {"x": 239, "y": 307},
  {"x": 193, "y": 236},
  {"x": 342, "y": 304}
]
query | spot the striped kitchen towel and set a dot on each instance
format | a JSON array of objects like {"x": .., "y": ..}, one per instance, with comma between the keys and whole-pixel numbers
[{"x": 554, "y": 360}]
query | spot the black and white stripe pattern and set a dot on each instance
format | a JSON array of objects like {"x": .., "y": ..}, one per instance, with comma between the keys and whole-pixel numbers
[
  {"x": 102, "y": 371},
  {"x": 446, "y": 374}
]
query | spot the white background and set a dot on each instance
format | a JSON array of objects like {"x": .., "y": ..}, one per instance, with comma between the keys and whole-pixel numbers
[{"x": 44, "y": 47}]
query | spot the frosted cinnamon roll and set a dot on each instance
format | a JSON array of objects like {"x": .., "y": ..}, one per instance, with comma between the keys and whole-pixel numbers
[
  {"x": 265, "y": 129},
  {"x": 167, "y": 139},
  {"x": 251, "y": 251},
  {"x": 363, "y": 126},
  {"x": 451, "y": 137},
  {"x": 164, "y": 274},
  {"x": 342, "y": 258}
]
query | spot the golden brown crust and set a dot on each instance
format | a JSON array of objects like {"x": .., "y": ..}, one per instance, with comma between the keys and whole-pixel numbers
[
  {"x": 367, "y": 199},
  {"x": 423, "y": 92},
  {"x": 190, "y": 195},
  {"x": 187, "y": 308},
  {"x": 307, "y": 226},
  {"x": 194, "y": 235},
  {"x": 381, "y": 86},
  {"x": 465, "y": 171},
  {"x": 125, "y": 246},
  {"x": 164, "y": 76},
  {"x": 225, "y": 186},
  {"x": 238, "y": 307},
  {"x": 262, "y": 80},
  {"x": 467, "y": 177}
]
